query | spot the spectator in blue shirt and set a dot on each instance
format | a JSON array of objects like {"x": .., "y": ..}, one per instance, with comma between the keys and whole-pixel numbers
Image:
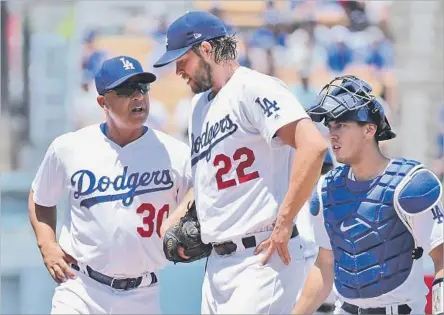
[
  {"x": 339, "y": 55},
  {"x": 91, "y": 60},
  {"x": 381, "y": 52},
  {"x": 304, "y": 92}
]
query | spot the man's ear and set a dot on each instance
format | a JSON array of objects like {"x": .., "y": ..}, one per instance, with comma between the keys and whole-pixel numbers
[
  {"x": 101, "y": 101},
  {"x": 370, "y": 130},
  {"x": 206, "y": 49}
]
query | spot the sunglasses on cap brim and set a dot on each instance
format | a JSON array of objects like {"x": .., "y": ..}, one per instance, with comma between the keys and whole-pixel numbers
[{"x": 128, "y": 89}]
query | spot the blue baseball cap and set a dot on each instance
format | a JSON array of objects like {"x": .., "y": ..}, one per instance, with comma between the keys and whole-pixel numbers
[
  {"x": 119, "y": 69},
  {"x": 190, "y": 29}
]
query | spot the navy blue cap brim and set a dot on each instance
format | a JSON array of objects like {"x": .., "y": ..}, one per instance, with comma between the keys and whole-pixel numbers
[
  {"x": 145, "y": 77},
  {"x": 171, "y": 55}
]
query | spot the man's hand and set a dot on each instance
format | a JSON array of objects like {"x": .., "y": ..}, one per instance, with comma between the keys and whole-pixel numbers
[
  {"x": 181, "y": 252},
  {"x": 43, "y": 221},
  {"x": 182, "y": 242},
  {"x": 311, "y": 148},
  {"x": 57, "y": 262},
  {"x": 277, "y": 241}
]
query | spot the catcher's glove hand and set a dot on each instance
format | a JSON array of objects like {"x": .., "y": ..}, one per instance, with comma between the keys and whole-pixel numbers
[{"x": 185, "y": 233}]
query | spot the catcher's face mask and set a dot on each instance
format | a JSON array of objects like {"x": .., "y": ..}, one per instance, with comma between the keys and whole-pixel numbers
[{"x": 348, "y": 98}]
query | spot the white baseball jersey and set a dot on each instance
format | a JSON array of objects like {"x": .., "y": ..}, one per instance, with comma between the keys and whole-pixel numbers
[
  {"x": 305, "y": 228},
  {"x": 240, "y": 169},
  {"x": 118, "y": 196},
  {"x": 427, "y": 229}
]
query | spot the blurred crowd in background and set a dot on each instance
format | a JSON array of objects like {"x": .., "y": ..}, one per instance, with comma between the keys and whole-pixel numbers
[
  {"x": 305, "y": 43},
  {"x": 51, "y": 50}
]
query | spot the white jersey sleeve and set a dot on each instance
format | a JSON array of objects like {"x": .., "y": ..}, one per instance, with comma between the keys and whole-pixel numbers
[
  {"x": 305, "y": 227},
  {"x": 317, "y": 214},
  {"x": 50, "y": 180},
  {"x": 428, "y": 228},
  {"x": 269, "y": 105},
  {"x": 186, "y": 181}
]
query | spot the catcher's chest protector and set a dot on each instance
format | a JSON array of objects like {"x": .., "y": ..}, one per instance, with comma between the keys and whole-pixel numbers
[{"x": 372, "y": 247}]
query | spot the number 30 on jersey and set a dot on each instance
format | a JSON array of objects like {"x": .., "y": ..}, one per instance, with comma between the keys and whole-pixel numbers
[
  {"x": 152, "y": 219},
  {"x": 224, "y": 164}
]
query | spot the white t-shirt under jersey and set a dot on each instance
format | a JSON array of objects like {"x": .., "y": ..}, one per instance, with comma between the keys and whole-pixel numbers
[
  {"x": 118, "y": 196},
  {"x": 240, "y": 169}
]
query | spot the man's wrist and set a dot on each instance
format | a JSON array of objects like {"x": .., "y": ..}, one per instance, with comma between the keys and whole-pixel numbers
[
  {"x": 284, "y": 219},
  {"x": 46, "y": 243}
]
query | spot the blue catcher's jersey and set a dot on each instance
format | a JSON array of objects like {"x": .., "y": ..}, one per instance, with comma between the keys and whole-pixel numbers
[{"x": 372, "y": 247}]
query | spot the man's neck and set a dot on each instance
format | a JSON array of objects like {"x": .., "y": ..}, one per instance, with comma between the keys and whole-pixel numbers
[
  {"x": 222, "y": 74},
  {"x": 370, "y": 166},
  {"x": 122, "y": 136}
]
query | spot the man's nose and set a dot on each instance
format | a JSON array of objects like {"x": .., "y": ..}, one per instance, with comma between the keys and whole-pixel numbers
[
  {"x": 333, "y": 135},
  {"x": 178, "y": 70},
  {"x": 137, "y": 95}
]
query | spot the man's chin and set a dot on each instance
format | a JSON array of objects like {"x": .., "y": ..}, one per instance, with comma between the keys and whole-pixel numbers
[
  {"x": 341, "y": 159},
  {"x": 197, "y": 90},
  {"x": 139, "y": 121}
]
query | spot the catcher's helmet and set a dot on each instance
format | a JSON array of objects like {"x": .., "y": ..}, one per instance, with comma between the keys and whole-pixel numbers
[{"x": 349, "y": 98}]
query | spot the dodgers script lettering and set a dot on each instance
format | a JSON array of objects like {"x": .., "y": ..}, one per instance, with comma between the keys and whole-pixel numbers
[
  {"x": 85, "y": 183},
  {"x": 202, "y": 145}
]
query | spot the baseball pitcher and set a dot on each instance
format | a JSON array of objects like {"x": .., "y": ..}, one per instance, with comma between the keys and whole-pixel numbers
[{"x": 247, "y": 189}]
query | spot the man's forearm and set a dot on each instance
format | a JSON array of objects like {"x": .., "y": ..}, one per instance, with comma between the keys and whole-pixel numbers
[
  {"x": 43, "y": 221},
  {"x": 178, "y": 213},
  {"x": 316, "y": 290},
  {"x": 438, "y": 261},
  {"x": 305, "y": 173}
]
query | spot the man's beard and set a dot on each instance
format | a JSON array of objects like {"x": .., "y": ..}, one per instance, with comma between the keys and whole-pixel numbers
[{"x": 204, "y": 79}]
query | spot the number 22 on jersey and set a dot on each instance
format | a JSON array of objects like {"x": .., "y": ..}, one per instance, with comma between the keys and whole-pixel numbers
[
  {"x": 224, "y": 164},
  {"x": 149, "y": 220}
]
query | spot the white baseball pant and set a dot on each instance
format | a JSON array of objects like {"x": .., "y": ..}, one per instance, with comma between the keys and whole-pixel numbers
[
  {"x": 84, "y": 295},
  {"x": 238, "y": 284}
]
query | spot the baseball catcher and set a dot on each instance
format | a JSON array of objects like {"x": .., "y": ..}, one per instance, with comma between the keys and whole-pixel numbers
[
  {"x": 375, "y": 218},
  {"x": 185, "y": 234}
]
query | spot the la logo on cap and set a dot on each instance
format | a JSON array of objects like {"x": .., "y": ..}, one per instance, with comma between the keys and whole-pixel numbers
[{"x": 127, "y": 64}]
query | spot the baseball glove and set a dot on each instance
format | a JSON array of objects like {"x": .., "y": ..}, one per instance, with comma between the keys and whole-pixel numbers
[{"x": 185, "y": 233}]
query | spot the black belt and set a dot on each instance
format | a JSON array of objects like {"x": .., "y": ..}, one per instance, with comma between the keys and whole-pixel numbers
[
  {"x": 229, "y": 247},
  {"x": 353, "y": 309},
  {"x": 119, "y": 284}
]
